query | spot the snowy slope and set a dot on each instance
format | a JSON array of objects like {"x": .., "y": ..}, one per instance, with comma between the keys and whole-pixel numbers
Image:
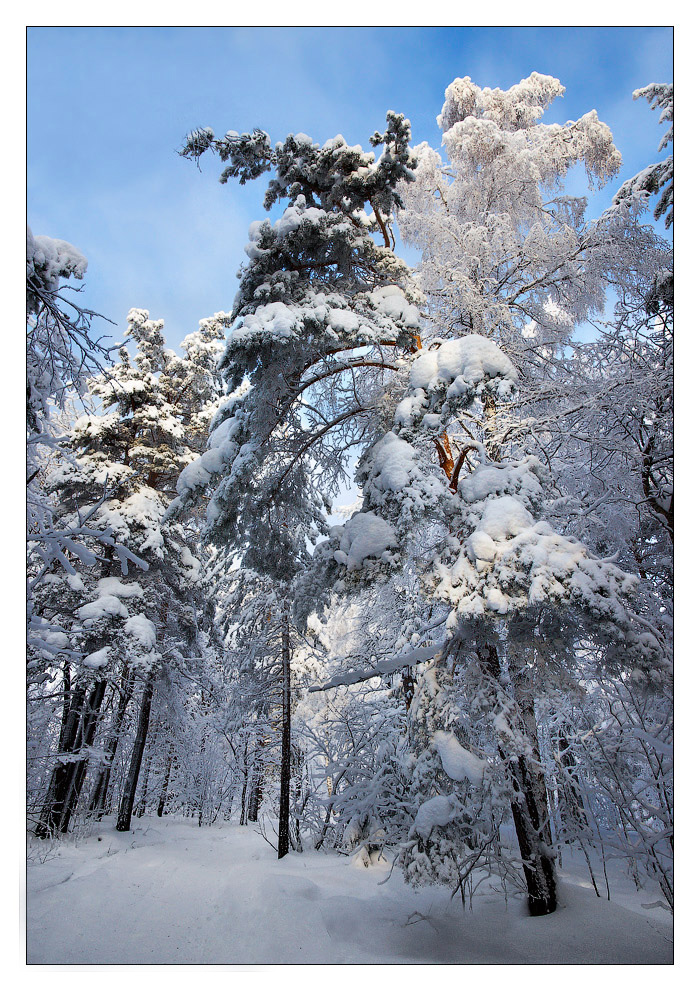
[{"x": 168, "y": 892}]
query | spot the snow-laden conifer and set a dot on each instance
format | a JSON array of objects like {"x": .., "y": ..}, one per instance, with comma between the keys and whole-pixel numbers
[
  {"x": 321, "y": 315},
  {"x": 125, "y": 455}
]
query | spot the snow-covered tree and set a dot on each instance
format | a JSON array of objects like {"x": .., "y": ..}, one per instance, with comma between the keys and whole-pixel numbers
[
  {"x": 508, "y": 274},
  {"x": 62, "y": 352},
  {"x": 625, "y": 377},
  {"x": 265, "y": 660},
  {"x": 611, "y": 438},
  {"x": 505, "y": 252},
  {"x": 513, "y": 585},
  {"x": 319, "y": 319},
  {"x": 471, "y": 673},
  {"x": 657, "y": 178},
  {"x": 125, "y": 460}
]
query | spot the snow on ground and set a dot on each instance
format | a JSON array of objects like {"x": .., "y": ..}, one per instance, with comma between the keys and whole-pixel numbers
[{"x": 170, "y": 893}]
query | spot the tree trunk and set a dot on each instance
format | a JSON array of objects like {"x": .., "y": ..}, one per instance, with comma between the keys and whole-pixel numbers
[
  {"x": 127, "y": 802},
  {"x": 285, "y": 770},
  {"x": 99, "y": 795},
  {"x": 529, "y": 809},
  {"x": 202, "y": 780},
  {"x": 141, "y": 804},
  {"x": 99, "y": 792},
  {"x": 86, "y": 738},
  {"x": 298, "y": 763},
  {"x": 80, "y": 726},
  {"x": 66, "y": 695},
  {"x": 164, "y": 788},
  {"x": 244, "y": 792},
  {"x": 55, "y": 795},
  {"x": 492, "y": 445},
  {"x": 531, "y": 825},
  {"x": 324, "y": 829},
  {"x": 256, "y": 790}
]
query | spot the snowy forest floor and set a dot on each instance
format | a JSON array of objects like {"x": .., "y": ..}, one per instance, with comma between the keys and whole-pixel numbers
[{"x": 168, "y": 892}]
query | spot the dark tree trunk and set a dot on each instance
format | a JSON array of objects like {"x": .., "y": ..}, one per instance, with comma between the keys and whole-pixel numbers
[
  {"x": 85, "y": 740},
  {"x": 127, "y": 802},
  {"x": 531, "y": 827},
  {"x": 66, "y": 696},
  {"x": 256, "y": 790},
  {"x": 529, "y": 808},
  {"x": 141, "y": 804},
  {"x": 285, "y": 770},
  {"x": 202, "y": 782},
  {"x": 164, "y": 788},
  {"x": 244, "y": 792},
  {"x": 256, "y": 778},
  {"x": 79, "y": 728},
  {"x": 408, "y": 684},
  {"x": 324, "y": 829},
  {"x": 99, "y": 795},
  {"x": 72, "y": 710}
]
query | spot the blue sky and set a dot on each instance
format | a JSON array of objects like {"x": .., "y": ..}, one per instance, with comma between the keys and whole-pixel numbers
[{"x": 107, "y": 109}]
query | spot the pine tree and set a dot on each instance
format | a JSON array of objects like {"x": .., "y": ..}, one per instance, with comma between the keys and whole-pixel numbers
[
  {"x": 62, "y": 352},
  {"x": 656, "y": 178},
  {"x": 320, "y": 317},
  {"x": 125, "y": 459}
]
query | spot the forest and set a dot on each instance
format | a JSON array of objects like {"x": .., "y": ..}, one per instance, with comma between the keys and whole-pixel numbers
[{"x": 376, "y": 569}]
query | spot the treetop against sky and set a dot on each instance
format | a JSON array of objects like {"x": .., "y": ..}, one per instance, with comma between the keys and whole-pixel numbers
[{"x": 159, "y": 235}]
